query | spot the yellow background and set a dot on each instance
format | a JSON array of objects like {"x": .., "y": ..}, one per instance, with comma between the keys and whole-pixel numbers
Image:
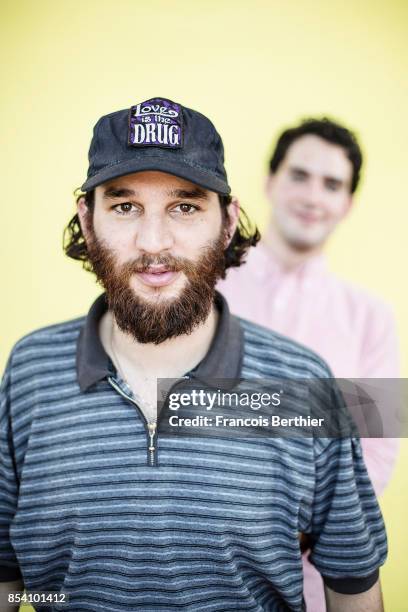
[{"x": 252, "y": 67}]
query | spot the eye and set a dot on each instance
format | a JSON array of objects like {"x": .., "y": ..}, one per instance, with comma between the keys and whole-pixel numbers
[
  {"x": 125, "y": 208},
  {"x": 333, "y": 185},
  {"x": 185, "y": 209},
  {"x": 298, "y": 176}
]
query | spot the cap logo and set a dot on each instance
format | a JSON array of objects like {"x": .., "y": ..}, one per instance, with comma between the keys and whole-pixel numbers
[{"x": 157, "y": 122}]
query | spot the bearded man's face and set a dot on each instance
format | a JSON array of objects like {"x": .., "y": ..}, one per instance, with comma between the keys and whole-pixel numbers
[{"x": 156, "y": 243}]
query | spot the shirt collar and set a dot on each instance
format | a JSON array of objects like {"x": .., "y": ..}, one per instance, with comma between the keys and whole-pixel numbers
[
  {"x": 266, "y": 264},
  {"x": 222, "y": 362}
]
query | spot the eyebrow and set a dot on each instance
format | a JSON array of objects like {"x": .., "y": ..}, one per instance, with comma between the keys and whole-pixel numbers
[
  {"x": 191, "y": 194},
  {"x": 114, "y": 192},
  {"x": 298, "y": 169},
  {"x": 333, "y": 179}
]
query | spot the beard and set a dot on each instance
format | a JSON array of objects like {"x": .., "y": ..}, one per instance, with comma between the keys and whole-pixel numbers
[{"x": 154, "y": 322}]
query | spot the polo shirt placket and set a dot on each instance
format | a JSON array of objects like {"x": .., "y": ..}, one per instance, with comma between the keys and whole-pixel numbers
[{"x": 223, "y": 362}]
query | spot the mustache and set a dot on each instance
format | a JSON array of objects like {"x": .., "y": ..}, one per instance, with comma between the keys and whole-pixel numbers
[{"x": 170, "y": 262}]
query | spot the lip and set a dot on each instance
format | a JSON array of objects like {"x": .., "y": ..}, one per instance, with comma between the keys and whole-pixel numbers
[
  {"x": 307, "y": 217},
  {"x": 157, "y": 276}
]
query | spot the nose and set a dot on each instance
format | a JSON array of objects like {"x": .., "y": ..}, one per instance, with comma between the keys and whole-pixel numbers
[
  {"x": 313, "y": 194},
  {"x": 153, "y": 235}
]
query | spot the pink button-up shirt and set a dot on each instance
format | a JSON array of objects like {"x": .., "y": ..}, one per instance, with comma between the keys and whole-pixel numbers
[{"x": 353, "y": 331}]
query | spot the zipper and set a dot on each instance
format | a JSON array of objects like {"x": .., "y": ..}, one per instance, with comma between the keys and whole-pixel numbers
[{"x": 150, "y": 426}]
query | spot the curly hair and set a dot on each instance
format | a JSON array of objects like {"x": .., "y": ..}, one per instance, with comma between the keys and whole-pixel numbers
[
  {"x": 245, "y": 235},
  {"x": 327, "y": 130}
]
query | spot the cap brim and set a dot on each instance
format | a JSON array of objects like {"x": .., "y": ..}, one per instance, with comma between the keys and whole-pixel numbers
[{"x": 193, "y": 174}]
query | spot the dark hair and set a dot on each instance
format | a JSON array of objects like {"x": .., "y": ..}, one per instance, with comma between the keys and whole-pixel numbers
[
  {"x": 328, "y": 130},
  {"x": 245, "y": 235}
]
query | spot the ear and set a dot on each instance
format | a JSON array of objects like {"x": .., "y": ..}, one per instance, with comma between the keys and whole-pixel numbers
[
  {"x": 233, "y": 217},
  {"x": 83, "y": 216}
]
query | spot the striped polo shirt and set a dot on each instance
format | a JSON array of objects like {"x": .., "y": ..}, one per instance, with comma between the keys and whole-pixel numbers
[{"x": 211, "y": 524}]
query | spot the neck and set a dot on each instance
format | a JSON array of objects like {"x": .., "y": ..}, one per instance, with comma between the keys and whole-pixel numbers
[
  {"x": 170, "y": 359},
  {"x": 288, "y": 256}
]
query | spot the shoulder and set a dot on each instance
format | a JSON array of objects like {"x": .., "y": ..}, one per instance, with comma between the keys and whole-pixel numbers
[
  {"x": 49, "y": 341},
  {"x": 271, "y": 354},
  {"x": 360, "y": 300},
  {"x": 371, "y": 318}
]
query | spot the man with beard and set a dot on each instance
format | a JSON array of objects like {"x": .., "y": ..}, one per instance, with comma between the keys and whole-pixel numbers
[{"x": 95, "y": 503}]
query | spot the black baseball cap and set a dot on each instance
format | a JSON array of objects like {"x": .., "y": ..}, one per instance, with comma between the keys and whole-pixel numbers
[{"x": 157, "y": 134}]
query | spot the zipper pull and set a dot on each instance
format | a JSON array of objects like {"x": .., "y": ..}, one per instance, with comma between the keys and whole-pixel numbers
[{"x": 152, "y": 432}]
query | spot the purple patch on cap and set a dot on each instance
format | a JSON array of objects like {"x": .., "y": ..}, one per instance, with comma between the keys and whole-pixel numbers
[{"x": 156, "y": 123}]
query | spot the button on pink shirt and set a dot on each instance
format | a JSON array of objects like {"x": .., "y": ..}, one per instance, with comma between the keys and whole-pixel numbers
[{"x": 353, "y": 331}]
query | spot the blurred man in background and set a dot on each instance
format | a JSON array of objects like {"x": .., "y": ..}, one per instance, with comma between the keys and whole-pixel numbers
[{"x": 285, "y": 285}]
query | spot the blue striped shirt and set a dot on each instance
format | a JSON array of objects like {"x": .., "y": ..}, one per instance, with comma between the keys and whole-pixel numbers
[{"x": 211, "y": 525}]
